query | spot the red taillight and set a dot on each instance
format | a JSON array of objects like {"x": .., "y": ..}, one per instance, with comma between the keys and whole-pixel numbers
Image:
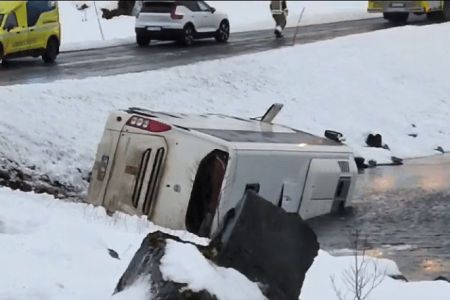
[
  {"x": 147, "y": 124},
  {"x": 174, "y": 16}
]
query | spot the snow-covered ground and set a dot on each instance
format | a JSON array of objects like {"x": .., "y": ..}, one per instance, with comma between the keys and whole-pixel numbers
[
  {"x": 55, "y": 250},
  {"x": 361, "y": 84},
  {"x": 244, "y": 16}
]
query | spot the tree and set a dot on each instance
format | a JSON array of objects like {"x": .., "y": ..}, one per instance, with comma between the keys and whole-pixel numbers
[{"x": 359, "y": 280}]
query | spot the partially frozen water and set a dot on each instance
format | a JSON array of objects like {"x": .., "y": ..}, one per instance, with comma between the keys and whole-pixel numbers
[{"x": 405, "y": 212}]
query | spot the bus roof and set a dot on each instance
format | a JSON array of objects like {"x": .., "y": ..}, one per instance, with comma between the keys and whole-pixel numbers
[{"x": 237, "y": 130}]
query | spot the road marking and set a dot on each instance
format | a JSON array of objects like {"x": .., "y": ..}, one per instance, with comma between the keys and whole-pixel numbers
[{"x": 94, "y": 61}]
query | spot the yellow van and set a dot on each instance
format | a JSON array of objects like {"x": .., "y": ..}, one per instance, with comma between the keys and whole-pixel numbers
[{"x": 29, "y": 28}]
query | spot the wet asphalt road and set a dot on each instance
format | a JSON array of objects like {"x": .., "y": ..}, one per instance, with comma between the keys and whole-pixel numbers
[
  {"x": 405, "y": 212},
  {"x": 131, "y": 58}
]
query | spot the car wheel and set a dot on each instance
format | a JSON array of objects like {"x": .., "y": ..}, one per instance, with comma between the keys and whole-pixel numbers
[
  {"x": 187, "y": 38},
  {"x": 2, "y": 60},
  {"x": 223, "y": 33},
  {"x": 51, "y": 51},
  {"x": 142, "y": 40}
]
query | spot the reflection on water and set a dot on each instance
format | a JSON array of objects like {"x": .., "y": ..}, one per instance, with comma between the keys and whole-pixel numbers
[
  {"x": 432, "y": 174},
  {"x": 405, "y": 212}
]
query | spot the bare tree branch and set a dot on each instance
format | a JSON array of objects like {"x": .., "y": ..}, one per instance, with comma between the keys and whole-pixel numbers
[{"x": 359, "y": 278}]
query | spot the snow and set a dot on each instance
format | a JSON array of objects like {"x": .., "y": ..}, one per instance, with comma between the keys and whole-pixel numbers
[
  {"x": 79, "y": 35},
  {"x": 244, "y": 16},
  {"x": 326, "y": 267},
  {"x": 57, "y": 250},
  {"x": 361, "y": 84},
  {"x": 184, "y": 263}
]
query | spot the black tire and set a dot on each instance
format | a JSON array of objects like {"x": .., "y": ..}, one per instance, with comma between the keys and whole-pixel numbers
[
  {"x": 51, "y": 52},
  {"x": 396, "y": 17},
  {"x": 446, "y": 10},
  {"x": 142, "y": 40},
  {"x": 2, "y": 61},
  {"x": 187, "y": 37},
  {"x": 223, "y": 33}
]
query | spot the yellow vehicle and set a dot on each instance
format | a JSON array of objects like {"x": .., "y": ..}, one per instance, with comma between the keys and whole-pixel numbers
[
  {"x": 29, "y": 28},
  {"x": 398, "y": 11}
]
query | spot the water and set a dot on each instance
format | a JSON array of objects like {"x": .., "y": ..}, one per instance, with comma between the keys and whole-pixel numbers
[{"x": 405, "y": 213}]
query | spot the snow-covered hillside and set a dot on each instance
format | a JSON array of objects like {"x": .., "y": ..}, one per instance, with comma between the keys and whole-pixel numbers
[
  {"x": 244, "y": 16},
  {"x": 55, "y": 250},
  {"x": 361, "y": 84}
]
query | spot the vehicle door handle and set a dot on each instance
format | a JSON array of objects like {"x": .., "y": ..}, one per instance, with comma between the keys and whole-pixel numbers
[
  {"x": 17, "y": 32},
  {"x": 31, "y": 29}
]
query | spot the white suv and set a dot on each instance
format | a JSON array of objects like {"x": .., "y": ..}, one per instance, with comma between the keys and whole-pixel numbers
[{"x": 183, "y": 21}]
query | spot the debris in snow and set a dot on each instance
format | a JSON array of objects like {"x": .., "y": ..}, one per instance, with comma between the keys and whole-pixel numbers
[
  {"x": 113, "y": 254},
  {"x": 360, "y": 163},
  {"x": 374, "y": 141},
  {"x": 413, "y": 134},
  {"x": 397, "y": 161},
  {"x": 372, "y": 163},
  {"x": 27, "y": 179},
  {"x": 399, "y": 277},
  {"x": 82, "y": 7},
  {"x": 440, "y": 149}
]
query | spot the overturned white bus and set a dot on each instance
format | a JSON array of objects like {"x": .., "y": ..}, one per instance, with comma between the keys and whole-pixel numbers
[{"x": 186, "y": 171}]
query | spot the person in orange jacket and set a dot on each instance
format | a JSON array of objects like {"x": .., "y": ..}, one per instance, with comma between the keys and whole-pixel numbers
[{"x": 279, "y": 12}]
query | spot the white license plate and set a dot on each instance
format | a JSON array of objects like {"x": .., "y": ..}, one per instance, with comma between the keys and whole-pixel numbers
[
  {"x": 154, "y": 28},
  {"x": 398, "y": 4}
]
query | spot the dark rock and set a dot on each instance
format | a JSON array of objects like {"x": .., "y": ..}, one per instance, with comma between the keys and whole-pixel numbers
[
  {"x": 413, "y": 125},
  {"x": 145, "y": 264},
  {"x": 360, "y": 163},
  {"x": 372, "y": 163},
  {"x": 413, "y": 134},
  {"x": 443, "y": 278},
  {"x": 5, "y": 175},
  {"x": 47, "y": 189},
  {"x": 440, "y": 149},
  {"x": 385, "y": 146},
  {"x": 113, "y": 254},
  {"x": 87, "y": 177},
  {"x": 399, "y": 277},
  {"x": 20, "y": 185},
  {"x": 374, "y": 141},
  {"x": 397, "y": 161},
  {"x": 266, "y": 244},
  {"x": 20, "y": 174}
]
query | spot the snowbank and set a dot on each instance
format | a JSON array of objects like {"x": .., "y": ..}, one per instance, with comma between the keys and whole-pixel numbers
[
  {"x": 55, "y": 250},
  {"x": 244, "y": 16},
  {"x": 255, "y": 15},
  {"x": 361, "y": 84}
]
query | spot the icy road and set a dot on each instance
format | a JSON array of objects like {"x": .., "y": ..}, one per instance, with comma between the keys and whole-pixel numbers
[{"x": 131, "y": 58}]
